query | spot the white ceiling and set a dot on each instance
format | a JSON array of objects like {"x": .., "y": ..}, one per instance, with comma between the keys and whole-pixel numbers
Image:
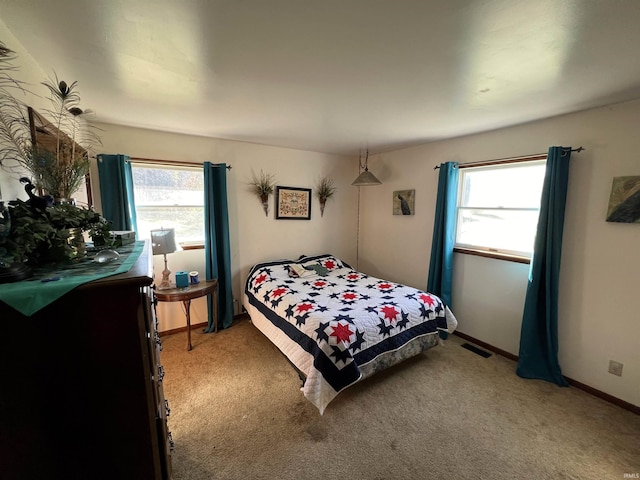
[{"x": 334, "y": 76}]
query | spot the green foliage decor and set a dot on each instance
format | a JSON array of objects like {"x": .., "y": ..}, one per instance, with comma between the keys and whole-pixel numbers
[
  {"x": 262, "y": 187},
  {"x": 41, "y": 237},
  {"x": 324, "y": 191},
  {"x": 29, "y": 232}
]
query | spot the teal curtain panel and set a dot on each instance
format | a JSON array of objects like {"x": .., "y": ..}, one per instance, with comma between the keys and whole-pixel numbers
[
  {"x": 440, "y": 278},
  {"x": 444, "y": 230},
  {"x": 217, "y": 247},
  {"x": 116, "y": 191},
  {"x": 538, "y": 357}
]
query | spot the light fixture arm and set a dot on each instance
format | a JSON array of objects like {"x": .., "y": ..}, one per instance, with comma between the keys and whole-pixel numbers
[{"x": 364, "y": 166}]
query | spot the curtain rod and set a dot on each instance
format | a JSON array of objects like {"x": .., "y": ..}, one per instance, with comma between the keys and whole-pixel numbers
[
  {"x": 170, "y": 162},
  {"x": 506, "y": 159}
]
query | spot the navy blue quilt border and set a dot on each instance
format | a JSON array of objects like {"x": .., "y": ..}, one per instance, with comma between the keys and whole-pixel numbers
[{"x": 396, "y": 341}]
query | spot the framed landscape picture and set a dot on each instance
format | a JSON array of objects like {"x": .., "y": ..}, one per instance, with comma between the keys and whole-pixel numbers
[{"x": 293, "y": 203}]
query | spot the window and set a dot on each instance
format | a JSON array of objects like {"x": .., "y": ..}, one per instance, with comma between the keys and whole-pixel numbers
[
  {"x": 498, "y": 207},
  {"x": 169, "y": 196}
]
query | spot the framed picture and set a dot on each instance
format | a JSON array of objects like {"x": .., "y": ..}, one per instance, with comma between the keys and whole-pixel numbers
[
  {"x": 404, "y": 202},
  {"x": 293, "y": 203},
  {"x": 624, "y": 201}
]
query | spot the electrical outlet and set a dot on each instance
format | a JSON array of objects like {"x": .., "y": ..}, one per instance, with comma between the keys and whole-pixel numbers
[{"x": 615, "y": 368}]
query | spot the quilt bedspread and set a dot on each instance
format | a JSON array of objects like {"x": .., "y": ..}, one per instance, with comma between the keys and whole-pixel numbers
[{"x": 342, "y": 318}]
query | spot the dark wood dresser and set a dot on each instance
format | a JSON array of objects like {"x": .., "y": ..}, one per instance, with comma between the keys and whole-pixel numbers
[{"x": 81, "y": 385}]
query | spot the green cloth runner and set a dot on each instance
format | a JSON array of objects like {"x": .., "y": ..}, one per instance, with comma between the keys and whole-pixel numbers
[{"x": 37, "y": 292}]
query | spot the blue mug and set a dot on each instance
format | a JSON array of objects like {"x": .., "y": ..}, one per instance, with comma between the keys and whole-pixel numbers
[{"x": 193, "y": 278}]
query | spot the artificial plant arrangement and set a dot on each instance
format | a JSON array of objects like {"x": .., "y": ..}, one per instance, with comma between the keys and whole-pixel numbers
[
  {"x": 324, "y": 191},
  {"x": 262, "y": 187},
  {"x": 41, "y": 233},
  {"x": 54, "y": 149},
  {"x": 38, "y": 232}
]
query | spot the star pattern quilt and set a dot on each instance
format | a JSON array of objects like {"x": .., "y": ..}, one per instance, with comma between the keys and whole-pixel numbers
[{"x": 337, "y": 325}]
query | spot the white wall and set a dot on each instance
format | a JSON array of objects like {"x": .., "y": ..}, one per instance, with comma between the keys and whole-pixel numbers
[
  {"x": 254, "y": 236},
  {"x": 600, "y": 272}
]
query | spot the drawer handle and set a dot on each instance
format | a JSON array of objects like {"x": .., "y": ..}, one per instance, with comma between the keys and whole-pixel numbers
[{"x": 171, "y": 444}]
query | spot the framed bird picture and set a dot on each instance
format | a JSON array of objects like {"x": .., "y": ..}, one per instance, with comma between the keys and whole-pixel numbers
[{"x": 404, "y": 202}]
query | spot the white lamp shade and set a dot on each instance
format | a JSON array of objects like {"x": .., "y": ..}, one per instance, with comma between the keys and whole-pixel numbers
[{"x": 163, "y": 241}]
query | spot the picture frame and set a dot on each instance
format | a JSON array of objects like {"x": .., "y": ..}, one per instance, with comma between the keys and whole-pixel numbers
[
  {"x": 624, "y": 201},
  {"x": 404, "y": 202},
  {"x": 293, "y": 203}
]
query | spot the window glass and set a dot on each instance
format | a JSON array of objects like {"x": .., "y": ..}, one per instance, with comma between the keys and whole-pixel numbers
[
  {"x": 170, "y": 197},
  {"x": 498, "y": 207}
]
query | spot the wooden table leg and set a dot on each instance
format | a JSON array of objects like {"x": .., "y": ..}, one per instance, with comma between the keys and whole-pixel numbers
[{"x": 187, "y": 307}]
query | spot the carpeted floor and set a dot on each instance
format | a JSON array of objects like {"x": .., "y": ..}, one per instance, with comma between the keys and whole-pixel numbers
[{"x": 237, "y": 413}]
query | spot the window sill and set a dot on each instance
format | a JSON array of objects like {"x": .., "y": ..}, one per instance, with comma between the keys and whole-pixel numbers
[
  {"x": 192, "y": 246},
  {"x": 495, "y": 255}
]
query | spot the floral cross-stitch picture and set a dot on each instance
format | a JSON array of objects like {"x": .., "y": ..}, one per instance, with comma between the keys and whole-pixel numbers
[{"x": 293, "y": 203}]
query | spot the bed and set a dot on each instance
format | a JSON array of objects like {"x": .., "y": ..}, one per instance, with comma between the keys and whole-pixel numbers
[{"x": 338, "y": 326}]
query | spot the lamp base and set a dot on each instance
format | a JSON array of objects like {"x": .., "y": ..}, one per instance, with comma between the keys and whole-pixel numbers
[{"x": 165, "y": 284}]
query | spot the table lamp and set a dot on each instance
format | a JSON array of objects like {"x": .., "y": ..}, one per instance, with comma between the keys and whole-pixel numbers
[{"x": 163, "y": 241}]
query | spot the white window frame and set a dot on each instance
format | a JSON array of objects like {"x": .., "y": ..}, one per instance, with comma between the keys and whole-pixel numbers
[
  {"x": 140, "y": 163},
  {"x": 488, "y": 251}
]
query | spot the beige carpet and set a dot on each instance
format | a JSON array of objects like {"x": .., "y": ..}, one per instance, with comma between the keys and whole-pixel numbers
[{"x": 237, "y": 413}]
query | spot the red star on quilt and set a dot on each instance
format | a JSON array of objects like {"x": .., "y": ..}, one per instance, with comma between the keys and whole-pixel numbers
[
  {"x": 261, "y": 278},
  {"x": 319, "y": 283},
  {"x": 304, "y": 307},
  {"x": 390, "y": 313},
  {"x": 278, "y": 291},
  {"x": 349, "y": 296},
  {"x": 329, "y": 264},
  {"x": 341, "y": 332},
  {"x": 427, "y": 299},
  {"x": 385, "y": 286}
]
